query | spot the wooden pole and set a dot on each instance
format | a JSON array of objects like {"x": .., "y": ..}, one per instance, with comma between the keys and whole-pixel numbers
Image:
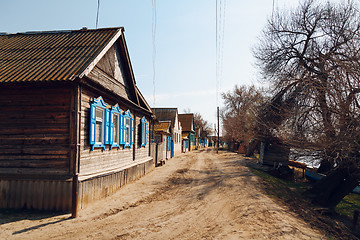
[
  {"x": 75, "y": 196},
  {"x": 218, "y": 131}
]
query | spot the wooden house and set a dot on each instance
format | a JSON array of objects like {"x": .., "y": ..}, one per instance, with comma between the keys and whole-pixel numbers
[
  {"x": 188, "y": 130},
  {"x": 73, "y": 124},
  {"x": 163, "y": 139},
  {"x": 171, "y": 114}
]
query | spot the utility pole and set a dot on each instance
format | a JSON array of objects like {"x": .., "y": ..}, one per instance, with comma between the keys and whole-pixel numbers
[{"x": 218, "y": 131}]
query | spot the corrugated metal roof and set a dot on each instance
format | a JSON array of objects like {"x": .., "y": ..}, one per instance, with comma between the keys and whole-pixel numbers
[
  {"x": 50, "y": 56},
  {"x": 186, "y": 122},
  {"x": 162, "y": 127},
  {"x": 165, "y": 114}
]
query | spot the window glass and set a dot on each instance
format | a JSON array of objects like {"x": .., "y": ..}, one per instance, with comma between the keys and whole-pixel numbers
[
  {"x": 143, "y": 132},
  {"x": 116, "y": 128},
  {"x": 128, "y": 132},
  {"x": 99, "y": 125}
]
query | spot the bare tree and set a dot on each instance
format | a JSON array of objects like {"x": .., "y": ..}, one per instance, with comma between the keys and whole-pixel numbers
[
  {"x": 202, "y": 125},
  {"x": 238, "y": 115},
  {"x": 311, "y": 57}
]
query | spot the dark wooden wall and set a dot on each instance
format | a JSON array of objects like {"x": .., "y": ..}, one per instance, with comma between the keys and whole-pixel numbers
[{"x": 34, "y": 130}]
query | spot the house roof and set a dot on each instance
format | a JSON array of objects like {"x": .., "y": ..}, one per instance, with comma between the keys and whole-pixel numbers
[
  {"x": 162, "y": 127},
  {"x": 184, "y": 135},
  {"x": 166, "y": 114},
  {"x": 63, "y": 56},
  {"x": 187, "y": 122},
  {"x": 53, "y": 55}
]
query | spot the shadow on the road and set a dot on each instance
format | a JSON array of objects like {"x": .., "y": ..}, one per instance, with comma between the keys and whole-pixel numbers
[
  {"x": 210, "y": 178},
  {"x": 9, "y": 216},
  {"x": 40, "y": 226}
]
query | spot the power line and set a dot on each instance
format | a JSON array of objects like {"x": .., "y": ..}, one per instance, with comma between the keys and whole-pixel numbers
[
  {"x": 97, "y": 14},
  {"x": 220, "y": 36},
  {"x": 154, "y": 45},
  {"x": 220, "y": 39}
]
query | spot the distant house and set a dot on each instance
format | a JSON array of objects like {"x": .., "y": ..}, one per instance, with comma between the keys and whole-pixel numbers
[
  {"x": 171, "y": 114},
  {"x": 188, "y": 130},
  {"x": 74, "y": 127},
  {"x": 163, "y": 139}
]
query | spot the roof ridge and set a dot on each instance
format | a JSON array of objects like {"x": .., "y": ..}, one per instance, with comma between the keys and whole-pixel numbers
[{"x": 60, "y": 31}]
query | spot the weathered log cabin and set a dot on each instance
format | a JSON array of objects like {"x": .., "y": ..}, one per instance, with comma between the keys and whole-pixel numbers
[{"x": 74, "y": 127}]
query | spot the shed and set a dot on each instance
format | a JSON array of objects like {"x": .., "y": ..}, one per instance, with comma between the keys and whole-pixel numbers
[
  {"x": 73, "y": 124},
  {"x": 274, "y": 154}
]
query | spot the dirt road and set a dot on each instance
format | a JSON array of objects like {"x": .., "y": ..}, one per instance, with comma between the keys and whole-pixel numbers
[{"x": 198, "y": 195}]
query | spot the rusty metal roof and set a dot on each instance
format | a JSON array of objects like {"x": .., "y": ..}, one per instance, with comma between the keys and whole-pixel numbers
[
  {"x": 187, "y": 122},
  {"x": 50, "y": 56},
  {"x": 165, "y": 114},
  {"x": 162, "y": 127}
]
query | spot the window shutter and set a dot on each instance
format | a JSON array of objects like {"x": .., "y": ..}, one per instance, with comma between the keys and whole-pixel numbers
[
  {"x": 92, "y": 124},
  {"x": 121, "y": 131},
  {"x": 123, "y": 125},
  {"x": 132, "y": 131},
  {"x": 107, "y": 126},
  {"x": 141, "y": 129},
  {"x": 146, "y": 132},
  {"x": 111, "y": 128}
]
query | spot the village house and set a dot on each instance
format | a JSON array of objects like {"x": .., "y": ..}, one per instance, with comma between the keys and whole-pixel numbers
[
  {"x": 188, "y": 130},
  {"x": 171, "y": 114},
  {"x": 163, "y": 134},
  {"x": 74, "y": 127}
]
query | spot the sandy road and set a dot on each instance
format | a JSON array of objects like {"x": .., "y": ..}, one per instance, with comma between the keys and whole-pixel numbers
[{"x": 198, "y": 195}]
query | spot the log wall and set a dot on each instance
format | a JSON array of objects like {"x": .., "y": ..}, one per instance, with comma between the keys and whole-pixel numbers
[{"x": 34, "y": 130}]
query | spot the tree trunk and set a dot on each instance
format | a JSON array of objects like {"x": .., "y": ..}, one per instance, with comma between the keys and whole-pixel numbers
[
  {"x": 330, "y": 190},
  {"x": 253, "y": 145},
  {"x": 325, "y": 166}
]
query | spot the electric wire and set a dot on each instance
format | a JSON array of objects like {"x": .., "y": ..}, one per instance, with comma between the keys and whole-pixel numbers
[
  {"x": 97, "y": 14},
  {"x": 220, "y": 39},
  {"x": 154, "y": 47}
]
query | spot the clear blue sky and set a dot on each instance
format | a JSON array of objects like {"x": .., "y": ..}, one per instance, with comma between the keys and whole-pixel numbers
[{"x": 185, "y": 41}]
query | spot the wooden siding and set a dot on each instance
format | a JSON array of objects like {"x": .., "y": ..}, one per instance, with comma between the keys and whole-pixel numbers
[
  {"x": 101, "y": 161},
  {"x": 99, "y": 187},
  {"x": 274, "y": 154},
  {"x": 34, "y": 130},
  {"x": 109, "y": 73},
  {"x": 35, "y": 194}
]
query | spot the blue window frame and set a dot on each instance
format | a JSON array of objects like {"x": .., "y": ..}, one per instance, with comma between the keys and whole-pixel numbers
[
  {"x": 128, "y": 128},
  {"x": 115, "y": 127},
  {"x": 99, "y": 131},
  {"x": 144, "y": 131}
]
